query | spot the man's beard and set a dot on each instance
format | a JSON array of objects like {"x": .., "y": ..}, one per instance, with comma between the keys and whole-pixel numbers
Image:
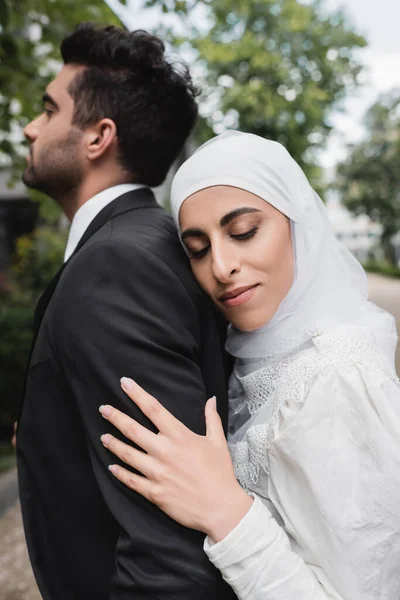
[{"x": 56, "y": 169}]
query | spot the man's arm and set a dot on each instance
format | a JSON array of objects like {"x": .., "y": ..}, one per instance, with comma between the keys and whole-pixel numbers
[{"x": 124, "y": 313}]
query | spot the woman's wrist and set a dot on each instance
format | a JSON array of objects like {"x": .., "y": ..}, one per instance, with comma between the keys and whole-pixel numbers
[{"x": 231, "y": 510}]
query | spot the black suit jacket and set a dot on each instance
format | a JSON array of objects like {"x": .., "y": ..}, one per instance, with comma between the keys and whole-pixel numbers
[{"x": 125, "y": 304}]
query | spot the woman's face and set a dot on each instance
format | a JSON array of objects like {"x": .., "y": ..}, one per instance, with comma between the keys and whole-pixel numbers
[{"x": 241, "y": 254}]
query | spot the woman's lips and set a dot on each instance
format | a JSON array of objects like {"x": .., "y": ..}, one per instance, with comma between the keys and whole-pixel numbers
[{"x": 241, "y": 297}]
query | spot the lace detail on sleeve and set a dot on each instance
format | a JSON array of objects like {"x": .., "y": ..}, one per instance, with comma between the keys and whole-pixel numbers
[{"x": 269, "y": 388}]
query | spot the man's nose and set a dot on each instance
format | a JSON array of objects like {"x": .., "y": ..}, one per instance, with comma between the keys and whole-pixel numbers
[{"x": 31, "y": 130}]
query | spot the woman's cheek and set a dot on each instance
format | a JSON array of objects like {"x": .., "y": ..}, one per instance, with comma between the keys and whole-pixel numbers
[{"x": 203, "y": 276}]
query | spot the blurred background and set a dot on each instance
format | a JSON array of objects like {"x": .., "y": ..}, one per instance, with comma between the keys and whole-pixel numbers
[{"x": 320, "y": 76}]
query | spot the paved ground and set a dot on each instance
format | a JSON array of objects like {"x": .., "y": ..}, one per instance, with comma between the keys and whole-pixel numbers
[
  {"x": 8, "y": 490},
  {"x": 16, "y": 579}
]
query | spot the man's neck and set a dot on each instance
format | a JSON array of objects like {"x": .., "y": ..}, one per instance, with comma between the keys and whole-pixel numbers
[
  {"x": 89, "y": 211},
  {"x": 87, "y": 191}
]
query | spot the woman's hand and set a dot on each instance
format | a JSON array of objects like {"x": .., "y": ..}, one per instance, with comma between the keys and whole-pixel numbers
[{"x": 189, "y": 476}]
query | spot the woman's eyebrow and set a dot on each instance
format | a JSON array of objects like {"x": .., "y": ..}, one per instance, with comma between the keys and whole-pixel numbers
[
  {"x": 225, "y": 220},
  {"x": 192, "y": 233},
  {"x": 244, "y": 210}
]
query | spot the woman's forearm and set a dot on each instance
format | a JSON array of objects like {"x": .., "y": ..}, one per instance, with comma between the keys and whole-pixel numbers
[
  {"x": 233, "y": 506},
  {"x": 256, "y": 560}
]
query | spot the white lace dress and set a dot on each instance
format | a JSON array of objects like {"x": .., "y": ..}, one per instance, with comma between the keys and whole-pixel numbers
[{"x": 322, "y": 457}]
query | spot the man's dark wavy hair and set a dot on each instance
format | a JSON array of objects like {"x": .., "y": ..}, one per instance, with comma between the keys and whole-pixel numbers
[{"x": 129, "y": 80}]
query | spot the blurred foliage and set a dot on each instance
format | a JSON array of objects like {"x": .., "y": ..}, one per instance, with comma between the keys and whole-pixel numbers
[
  {"x": 275, "y": 68},
  {"x": 382, "y": 267},
  {"x": 7, "y": 457},
  {"x": 179, "y": 7},
  {"x": 15, "y": 340},
  {"x": 37, "y": 259},
  {"x": 369, "y": 178}
]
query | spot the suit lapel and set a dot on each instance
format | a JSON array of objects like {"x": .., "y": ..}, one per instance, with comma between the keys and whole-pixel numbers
[
  {"x": 44, "y": 300},
  {"x": 141, "y": 198}
]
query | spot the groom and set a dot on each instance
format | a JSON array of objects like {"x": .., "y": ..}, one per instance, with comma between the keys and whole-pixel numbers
[{"x": 124, "y": 304}]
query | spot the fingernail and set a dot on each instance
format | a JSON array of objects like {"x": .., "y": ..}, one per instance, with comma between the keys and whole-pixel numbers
[
  {"x": 213, "y": 402},
  {"x": 113, "y": 469},
  {"x": 105, "y": 410},
  {"x": 126, "y": 383},
  {"x": 105, "y": 439}
]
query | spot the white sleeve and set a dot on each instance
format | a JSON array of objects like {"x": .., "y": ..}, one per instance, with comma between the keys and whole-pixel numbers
[
  {"x": 335, "y": 480},
  {"x": 256, "y": 560}
]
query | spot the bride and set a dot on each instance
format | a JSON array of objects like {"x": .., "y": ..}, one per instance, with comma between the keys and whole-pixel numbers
[{"x": 314, "y": 434}]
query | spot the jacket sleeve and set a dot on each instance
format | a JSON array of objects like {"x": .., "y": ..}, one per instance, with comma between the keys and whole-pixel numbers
[{"x": 123, "y": 312}]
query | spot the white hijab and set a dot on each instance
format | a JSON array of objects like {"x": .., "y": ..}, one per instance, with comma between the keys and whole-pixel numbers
[{"x": 329, "y": 287}]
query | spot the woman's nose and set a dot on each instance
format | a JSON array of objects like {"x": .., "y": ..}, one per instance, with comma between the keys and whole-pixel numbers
[{"x": 224, "y": 264}]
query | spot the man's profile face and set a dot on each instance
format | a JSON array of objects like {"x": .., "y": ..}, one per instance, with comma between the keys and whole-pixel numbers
[{"x": 55, "y": 162}]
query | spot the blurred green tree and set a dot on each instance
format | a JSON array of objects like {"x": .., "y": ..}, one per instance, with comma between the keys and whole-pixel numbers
[
  {"x": 36, "y": 258},
  {"x": 276, "y": 68},
  {"x": 369, "y": 178}
]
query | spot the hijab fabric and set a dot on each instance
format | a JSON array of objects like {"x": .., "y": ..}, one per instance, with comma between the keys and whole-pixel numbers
[{"x": 329, "y": 287}]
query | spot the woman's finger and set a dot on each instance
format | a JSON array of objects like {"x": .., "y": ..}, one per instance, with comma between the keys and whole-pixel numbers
[
  {"x": 142, "y": 462},
  {"x": 214, "y": 427},
  {"x": 135, "y": 482},
  {"x": 152, "y": 408},
  {"x": 134, "y": 431}
]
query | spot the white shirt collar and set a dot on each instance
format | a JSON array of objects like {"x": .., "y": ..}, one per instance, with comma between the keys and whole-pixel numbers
[{"x": 88, "y": 211}]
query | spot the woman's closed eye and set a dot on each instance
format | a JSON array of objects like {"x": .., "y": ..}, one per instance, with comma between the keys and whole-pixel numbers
[
  {"x": 195, "y": 253},
  {"x": 198, "y": 253},
  {"x": 245, "y": 235}
]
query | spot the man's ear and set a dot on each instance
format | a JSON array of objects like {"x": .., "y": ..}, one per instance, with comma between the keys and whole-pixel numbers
[{"x": 99, "y": 138}]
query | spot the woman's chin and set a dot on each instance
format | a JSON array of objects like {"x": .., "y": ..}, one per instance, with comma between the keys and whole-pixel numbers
[{"x": 248, "y": 323}]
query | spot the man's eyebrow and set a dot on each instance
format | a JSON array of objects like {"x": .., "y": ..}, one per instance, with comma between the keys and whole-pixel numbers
[
  {"x": 47, "y": 99},
  {"x": 244, "y": 210}
]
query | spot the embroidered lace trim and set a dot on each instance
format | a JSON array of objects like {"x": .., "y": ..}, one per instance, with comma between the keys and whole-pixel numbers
[{"x": 290, "y": 380}]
